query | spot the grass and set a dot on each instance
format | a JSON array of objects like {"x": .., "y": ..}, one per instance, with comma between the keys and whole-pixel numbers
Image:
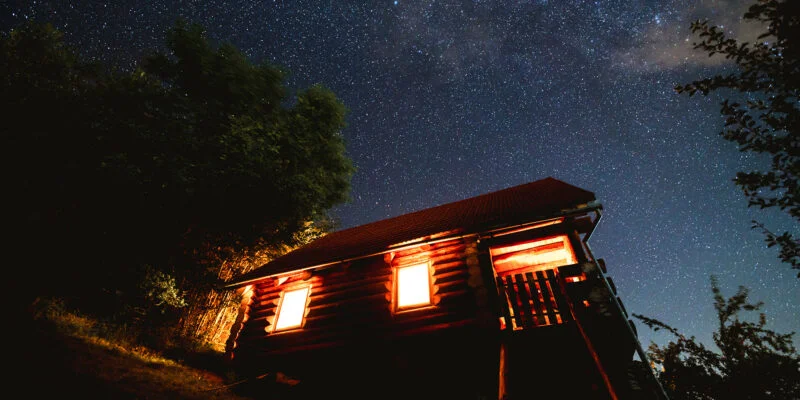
[{"x": 64, "y": 353}]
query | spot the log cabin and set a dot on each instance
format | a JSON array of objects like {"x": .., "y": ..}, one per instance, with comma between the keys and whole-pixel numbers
[{"x": 495, "y": 296}]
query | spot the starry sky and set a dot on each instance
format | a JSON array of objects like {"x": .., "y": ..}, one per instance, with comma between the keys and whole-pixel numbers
[{"x": 453, "y": 99}]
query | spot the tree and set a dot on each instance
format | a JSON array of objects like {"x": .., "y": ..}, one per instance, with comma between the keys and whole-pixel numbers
[
  {"x": 43, "y": 88},
  {"x": 762, "y": 113},
  {"x": 752, "y": 362},
  {"x": 161, "y": 171}
]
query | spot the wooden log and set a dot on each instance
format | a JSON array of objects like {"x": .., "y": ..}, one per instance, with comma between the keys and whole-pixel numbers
[
  {"x": 262, "y": 313},
  {"x": 561, "y": 302},
  {"x": 571, "y": 270},
  {"x": 430, "y": 247},
  {"x": 328, "y": 286},
  {"x": 357, "y": 291},
  {"x": 460, "y": 274},
  {"x": 266, "y": 301},
  {"x": 503, "y": 302},
  {"x": 512, "y": 298},
  {"x": 435, "y": 327},
  {"x": 456, "y": 300},
  {"x": 331, "y": 307},
  {"x": 455, "y": 265},
  {"x": 551, "y": 316},
  {"x": 450, "y": 286},
  {"x": 526, "y": 313},
  {"x": 537, "y": 305},
  {"x": 438, "y": 255}
]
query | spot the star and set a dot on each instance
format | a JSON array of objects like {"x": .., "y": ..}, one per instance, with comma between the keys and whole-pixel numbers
[{"x": 449, "y": 100}]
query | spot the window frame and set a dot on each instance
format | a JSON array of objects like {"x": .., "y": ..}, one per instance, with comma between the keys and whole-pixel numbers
[
  {"x": 396, "y": 307},
  {"x": 279, "y": 308}
]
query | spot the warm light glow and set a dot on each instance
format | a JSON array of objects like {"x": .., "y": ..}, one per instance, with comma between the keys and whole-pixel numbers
[
  {"x": 511, "y": 262},
  {"x": 292, "y": 309},
  {"x": 413, "y": 286},
  {"x": 535, "y": 255}
]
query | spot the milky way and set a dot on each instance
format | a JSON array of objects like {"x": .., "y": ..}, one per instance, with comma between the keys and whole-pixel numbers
[{"x": 450, "y": 100}]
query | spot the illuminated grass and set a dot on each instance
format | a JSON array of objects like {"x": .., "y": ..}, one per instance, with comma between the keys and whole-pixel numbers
[{"x": 75, "y": 354}]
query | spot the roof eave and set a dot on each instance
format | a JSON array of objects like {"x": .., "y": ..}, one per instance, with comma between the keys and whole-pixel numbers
[{"x": 439, "y": 237}]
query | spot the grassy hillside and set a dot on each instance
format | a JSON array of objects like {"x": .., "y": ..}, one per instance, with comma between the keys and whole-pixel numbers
[{"x": 63, "y": 353}]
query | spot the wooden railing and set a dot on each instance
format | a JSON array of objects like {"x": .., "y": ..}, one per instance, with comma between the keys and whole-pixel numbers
[{"x": 532, "y": 299}]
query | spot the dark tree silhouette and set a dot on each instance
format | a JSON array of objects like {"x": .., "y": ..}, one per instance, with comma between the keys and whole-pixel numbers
[
  {"x": 127, "y": 182},
  {"x": 752, "y": 362},
  {"x": 762, "y": 113}
]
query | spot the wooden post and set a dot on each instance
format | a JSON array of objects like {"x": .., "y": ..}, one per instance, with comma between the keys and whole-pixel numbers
[
  {"x": 501, "y": 394},
  {"x": 587, "y": 341}
]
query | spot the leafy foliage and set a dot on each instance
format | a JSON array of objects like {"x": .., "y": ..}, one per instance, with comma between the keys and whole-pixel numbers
[
  {"x": 160, "y": 290},
  {"x": 752, "y": 361},
  {"x": 195, "y": 154},
  {"x": 762, "y": 114}
]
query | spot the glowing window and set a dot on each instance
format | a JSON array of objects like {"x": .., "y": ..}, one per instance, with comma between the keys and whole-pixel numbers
[
  {"x": 534, "y": 255},
  {"x": 413, "y": 286},
  {"x": 291, "y": 309}
]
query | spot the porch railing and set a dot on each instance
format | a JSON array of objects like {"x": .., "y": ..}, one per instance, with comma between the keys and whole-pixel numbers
[{"x": 532, "y": 299}]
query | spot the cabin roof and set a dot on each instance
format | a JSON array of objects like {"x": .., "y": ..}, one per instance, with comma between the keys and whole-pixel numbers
[{"x": 515, "y": 205}]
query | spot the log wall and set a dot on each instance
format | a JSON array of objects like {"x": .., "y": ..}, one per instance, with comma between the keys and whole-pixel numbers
[
  {"x": 353, "y": 343},
  {"x": 351, "y": 304}
]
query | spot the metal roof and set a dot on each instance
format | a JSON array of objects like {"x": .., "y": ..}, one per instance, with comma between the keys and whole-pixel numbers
[{"x": 512, "y": 206}]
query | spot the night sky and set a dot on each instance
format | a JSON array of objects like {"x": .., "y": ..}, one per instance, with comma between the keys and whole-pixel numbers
[{"x": 450, "y": 100}]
